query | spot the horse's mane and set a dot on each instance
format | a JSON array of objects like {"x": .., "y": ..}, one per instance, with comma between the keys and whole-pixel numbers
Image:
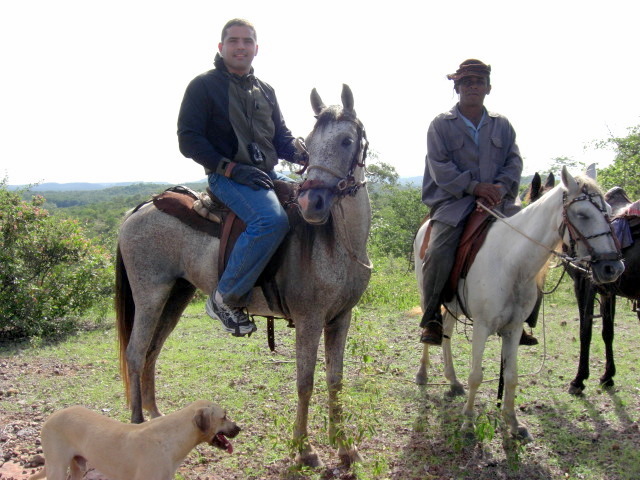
[
  {"x": 307, "y": 234},
  {"x": 589, "y": 183}
]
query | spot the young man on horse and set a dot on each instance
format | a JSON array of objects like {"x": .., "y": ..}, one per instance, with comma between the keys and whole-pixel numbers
[
  {"x": 472, "y": 157},
  {"x": 231, "y": 124}
]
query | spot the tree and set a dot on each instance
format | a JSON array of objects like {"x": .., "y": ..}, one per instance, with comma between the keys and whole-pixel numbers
[
  {"x": 574, "y": 166},
  {"x": 625, "y": 170},
  {"x": 49, "y": 272}
]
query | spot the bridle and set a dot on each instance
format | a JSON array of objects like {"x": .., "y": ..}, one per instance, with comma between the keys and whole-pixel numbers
[
  {"x": 576, "y": 236},
  {"x": 347, "y": 184}
]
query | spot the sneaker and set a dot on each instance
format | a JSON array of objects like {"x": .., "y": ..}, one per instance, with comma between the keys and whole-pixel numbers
[{"x": 234, "y": 320}]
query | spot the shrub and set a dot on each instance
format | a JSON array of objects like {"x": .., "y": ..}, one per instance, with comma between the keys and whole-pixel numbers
[{"x": 50, "y": 274}]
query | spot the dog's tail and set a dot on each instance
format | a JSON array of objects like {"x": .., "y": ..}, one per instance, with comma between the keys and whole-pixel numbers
[
  {"x": 125, "y": 311},
  {"x": 41, "y": 474}
]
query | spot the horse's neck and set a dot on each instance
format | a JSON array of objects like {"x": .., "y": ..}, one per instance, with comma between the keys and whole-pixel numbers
[
  {"x": 353, "y": 216},
  {"x": 537, "y": 230}
]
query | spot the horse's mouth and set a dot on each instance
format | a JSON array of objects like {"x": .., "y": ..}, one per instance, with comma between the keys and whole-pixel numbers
[{"x": 606, "y": 271}]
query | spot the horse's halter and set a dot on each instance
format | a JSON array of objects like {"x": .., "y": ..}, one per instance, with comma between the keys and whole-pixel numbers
[
  {"x": 347, "y": 185},
  {"x": 576, "y": 236}
]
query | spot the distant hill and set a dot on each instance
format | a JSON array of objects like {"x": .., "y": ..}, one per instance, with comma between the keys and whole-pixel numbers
[
  {"x": 87, "y": 187},
  {"x": 77, "y": 187}
]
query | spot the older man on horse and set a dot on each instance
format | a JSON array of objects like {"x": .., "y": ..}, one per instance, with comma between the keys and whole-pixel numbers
[
  {"x": 231, "y": 124},
  {"x": 472, "y": 157}
]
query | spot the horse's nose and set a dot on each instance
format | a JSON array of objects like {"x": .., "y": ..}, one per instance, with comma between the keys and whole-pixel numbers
[
  {"x": 607, "y": 271},
  {"x": 315, "y": 205}
]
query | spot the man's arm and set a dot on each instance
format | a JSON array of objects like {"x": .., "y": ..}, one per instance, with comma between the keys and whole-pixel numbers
[
  {"x": 444, "y": 172},
  {"x": 192, "y": 124}
]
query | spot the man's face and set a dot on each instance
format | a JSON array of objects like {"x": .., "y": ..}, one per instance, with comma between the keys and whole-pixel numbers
[
  {"x": 238, "y": 49},
  {"x": 473, "y": 89}
]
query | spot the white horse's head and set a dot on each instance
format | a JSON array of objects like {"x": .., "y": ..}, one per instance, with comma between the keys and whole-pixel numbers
[
  {"x": 337, "y": 150},
  {"x": 587, "y": 233}
]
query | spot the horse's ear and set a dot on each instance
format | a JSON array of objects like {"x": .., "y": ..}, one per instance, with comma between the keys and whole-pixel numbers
[
  {"x": 551, "y": 181},
  {"x": 591, "y": 171},
  {"x": 536, "y": 183},
  {"x": 568, "y": 180},
  {"x": 347, "y": 98},
  {"x": 316, "y": 102}
]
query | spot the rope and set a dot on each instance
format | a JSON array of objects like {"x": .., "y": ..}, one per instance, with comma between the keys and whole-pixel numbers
[{"x": 347, "y": 240}]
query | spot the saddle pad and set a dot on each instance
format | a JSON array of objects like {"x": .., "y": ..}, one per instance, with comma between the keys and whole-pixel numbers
[{"x": 180, "y": 205}]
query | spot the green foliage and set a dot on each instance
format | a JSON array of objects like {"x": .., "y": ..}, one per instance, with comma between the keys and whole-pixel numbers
[
  {"x": 380, "y": 173},
  {"x": 50, "y": 272},
  {"x": 397, "y": 212},
  {"x": 574, "y": 166},
  {"x": 625, "y": 170},
  {"x": 101, "y": 211}
]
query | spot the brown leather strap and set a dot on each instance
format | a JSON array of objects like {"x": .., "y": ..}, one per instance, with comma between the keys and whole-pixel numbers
[{"x": 224, "y": 241}]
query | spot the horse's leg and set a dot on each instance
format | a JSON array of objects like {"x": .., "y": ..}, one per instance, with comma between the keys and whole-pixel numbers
[
  {"x": 335, "y": 335},
  {"x": 585, "y": 295},
  {"x": 308, "y": 331},
  {"x": 147, "y": 317},
  {"x": 510, "y": 341},
  {"x": 421, "y": 377},
  {"x": 608, "y": 312},
  {"x": 181, "y": 295},
  {"x": 455, "y": 387},
  {"x": 480, "y": 335}
]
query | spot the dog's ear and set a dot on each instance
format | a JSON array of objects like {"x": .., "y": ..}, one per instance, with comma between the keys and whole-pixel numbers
[{"x": 202, "y": 418}]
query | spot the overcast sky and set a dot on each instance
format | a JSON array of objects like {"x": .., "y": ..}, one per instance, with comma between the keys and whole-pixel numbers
[{"x": 90, "y": 90}]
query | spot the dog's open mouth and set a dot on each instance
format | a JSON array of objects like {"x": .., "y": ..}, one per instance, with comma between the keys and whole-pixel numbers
[{"x": 221, "y": 442}]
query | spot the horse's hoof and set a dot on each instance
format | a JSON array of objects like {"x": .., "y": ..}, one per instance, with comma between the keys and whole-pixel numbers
[
  {"x": 310, "y": 459},
  {"x": 575, "y": 390},
  {"x": 523, "y": 435},
  {"x": 421, "y": 379},
  {"x": 350, "y": 457},
  {"x": 604, "y": 383},
  {"x": 455, "y": 391}
]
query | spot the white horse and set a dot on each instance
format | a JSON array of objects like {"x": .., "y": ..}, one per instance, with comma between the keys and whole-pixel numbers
[
  {"x": 500, "y": 289},
  {"x": 324, "y": 269}
]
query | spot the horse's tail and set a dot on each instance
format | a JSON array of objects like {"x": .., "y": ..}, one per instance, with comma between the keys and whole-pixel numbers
[{"x": 125, "y": 310}]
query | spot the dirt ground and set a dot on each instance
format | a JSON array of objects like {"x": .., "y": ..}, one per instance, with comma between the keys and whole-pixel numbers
[{"x": 20, "y": 449}]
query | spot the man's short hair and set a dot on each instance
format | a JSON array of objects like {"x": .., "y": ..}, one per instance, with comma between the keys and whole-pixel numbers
[{"x": 238, "y": 22}]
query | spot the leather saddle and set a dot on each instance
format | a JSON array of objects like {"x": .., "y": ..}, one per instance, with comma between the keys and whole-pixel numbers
[
  {"x": 206, "y": 213},
  {"x": 625, "y": 216},
  {"x": 473, "y": 236}
]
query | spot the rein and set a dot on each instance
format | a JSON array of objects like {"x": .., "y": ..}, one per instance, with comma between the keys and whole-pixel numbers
[{"x": 574, "y": 234}]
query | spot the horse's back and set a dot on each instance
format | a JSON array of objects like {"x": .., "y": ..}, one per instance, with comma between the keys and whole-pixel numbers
[{"x": 161, "y": 248}]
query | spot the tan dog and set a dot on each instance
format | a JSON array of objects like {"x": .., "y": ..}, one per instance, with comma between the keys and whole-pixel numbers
[{"x": 151, "y": 450}]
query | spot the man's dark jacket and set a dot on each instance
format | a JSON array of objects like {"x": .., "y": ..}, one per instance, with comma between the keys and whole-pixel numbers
[{"x": 221, "y": 113}]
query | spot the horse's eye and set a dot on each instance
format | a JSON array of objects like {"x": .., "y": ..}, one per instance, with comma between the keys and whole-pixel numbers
[{"x": 346, "y": 142}]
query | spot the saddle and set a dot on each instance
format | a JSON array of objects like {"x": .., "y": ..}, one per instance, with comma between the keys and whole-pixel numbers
[
  {"x": 473, "y": 236},
  {"x": 626, "y": 216},
  {"x": 206, "y": 213}
]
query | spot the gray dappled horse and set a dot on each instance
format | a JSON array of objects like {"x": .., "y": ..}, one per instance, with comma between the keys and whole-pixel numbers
[
  {"x": 500, "y": 289},
  {"x": 324, "y": 271}
]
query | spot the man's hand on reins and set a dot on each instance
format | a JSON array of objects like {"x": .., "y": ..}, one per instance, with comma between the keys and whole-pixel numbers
[
  {"x": 247, "y": 175},
  {"x": 488, "y": 194}
]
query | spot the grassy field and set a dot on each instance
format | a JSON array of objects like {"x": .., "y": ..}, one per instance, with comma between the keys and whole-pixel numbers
[{"x": 403, "y": 431}]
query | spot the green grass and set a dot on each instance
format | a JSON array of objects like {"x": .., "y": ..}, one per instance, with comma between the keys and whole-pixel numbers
[{"x": 404, "y": 431}]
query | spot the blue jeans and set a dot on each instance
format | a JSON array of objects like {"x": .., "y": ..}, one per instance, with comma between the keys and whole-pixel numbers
[{"x": 267, "y": 225}]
